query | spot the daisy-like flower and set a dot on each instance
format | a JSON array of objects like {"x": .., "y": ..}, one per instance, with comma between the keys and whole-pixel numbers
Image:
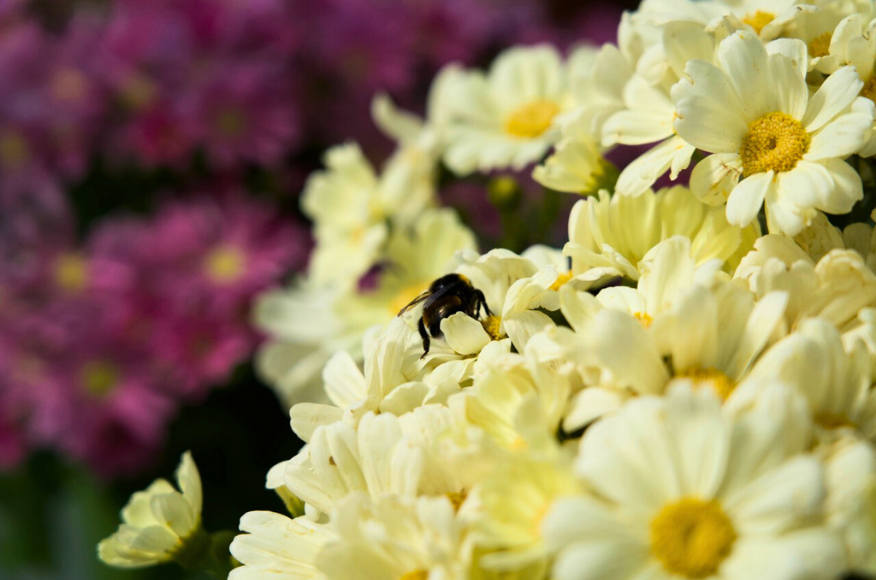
[
  {"x": 682, "y": 490},
  {"x": 392, "y": 539},
  {"x": 508, "y": 118},
  {"x": 771, "y": 145},
  {"x": 854, "y": 43},
  {"x": 836, "y": 288},
  {"x": 160, "y": 524},
  {"x": 350, "y": 206},
  {"x": 618, "y": 231},
  {"x": 766, "y": 18},
  {"x": 835, "y": 383},
  {"x": 682, "y": 323}
]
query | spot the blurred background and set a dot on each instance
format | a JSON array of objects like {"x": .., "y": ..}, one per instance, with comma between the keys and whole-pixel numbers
[{"x": 151, "y": 157}]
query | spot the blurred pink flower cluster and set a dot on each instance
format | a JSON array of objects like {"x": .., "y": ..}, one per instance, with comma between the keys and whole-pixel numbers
[
  {"x": 101, "y": 342},
  {"x": 241, "y": 82}
]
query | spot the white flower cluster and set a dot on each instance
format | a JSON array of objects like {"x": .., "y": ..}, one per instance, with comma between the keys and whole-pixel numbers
[{"x": 674, "y": 394}]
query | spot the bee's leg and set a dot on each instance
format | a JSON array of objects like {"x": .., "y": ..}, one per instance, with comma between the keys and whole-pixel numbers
[
  {"x": 482, "y": 302},
  {"x": 425, "y": 336}
]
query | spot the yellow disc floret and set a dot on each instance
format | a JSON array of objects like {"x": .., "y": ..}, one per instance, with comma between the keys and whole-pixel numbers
[
  {"x": 776, "y": 141},
  {"x": 98, "y": 378},
  {"x": 493, "y": 326},
  {"x": 532, "y": 120},
  {"x": 691, "y": 537},
  {"x": 224, "y": 264},
  {"x": 832, "y": 421},
  {"x": 820, "y": 45},
  {"x": 869, "y": 90},
  {"x": 721, "y": 383},
  {"x": 759, "y": 20},
  {"x": 71, "y": 272}
]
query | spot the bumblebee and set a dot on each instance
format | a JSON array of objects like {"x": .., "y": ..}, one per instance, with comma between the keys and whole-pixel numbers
[{"x": 445, "y": 297}]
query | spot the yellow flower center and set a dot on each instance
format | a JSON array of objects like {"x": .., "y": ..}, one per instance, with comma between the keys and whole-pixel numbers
[
  {"x": 833, "y": 421},
  {"x": 224, "y": 264},
  {"x": 405, "y": 296},
  {"x": 759, "y": 20},
  {"x": 493, "y": 325},
  {"x": 415, "y": 575},
  {"x": 561, "y": 279},
  {"x": 691, "y": 537},
  {"x": 71, "y": 272},
  {"x": 644, "y": 319},
  {"x": 14, "y": 151},
  {"x": 820, "y": 45},
  {"x": 776, "y": 142},
  {"x": 869, "y": 90},
  {"x": 457, "y": 498},
  {"x": 98, "y": 378},
  {"x": 720, "y": 383},
  {"x": 230, "y": 122},
  {"x": 532, "y": 120}
]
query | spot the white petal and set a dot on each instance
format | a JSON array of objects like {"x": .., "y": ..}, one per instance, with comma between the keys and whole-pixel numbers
[
  {"x": 714, "y": 177},
  {"x": 747, "y": 197},
  {"x": 744, "y": 58},
  {"x": 791, "y": 91},
  {"x": 464, "y": 334},
  {"x": 845, "y": 135},
  {"x": 834, "y": 95},
  {"x": 709, "y": 114}
]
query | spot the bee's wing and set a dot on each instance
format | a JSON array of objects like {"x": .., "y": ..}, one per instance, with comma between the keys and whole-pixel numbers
[{"x": 415, "y": 301}]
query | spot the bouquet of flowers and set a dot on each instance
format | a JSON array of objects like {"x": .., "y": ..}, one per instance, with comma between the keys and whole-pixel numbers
[{"x": 684, "y": 390}]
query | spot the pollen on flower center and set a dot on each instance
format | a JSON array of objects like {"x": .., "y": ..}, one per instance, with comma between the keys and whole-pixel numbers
[
  {"x": 820, "y": 45},
  {"x": 493, "y": 324},
  {"x": 774, "y": 142},
  {"x": 563, "y": 278},
  {"x": 71, "y": 272},
  {"x": 691, "y": 537},
  {"x": 405, "y": 296},
  {"x": 869, "y": 90},
  {"x": 98, "y": 378},
  {"x": 644, "y": 319},
  {"x": 759, "y": 20},
  {"x": 832, "y": 421},
  {"x": 721, "y": 383},
  {"x": 415, "y": 575},
  {"x": 532, "y": 120},
  {"x": 224, "y": 264}
]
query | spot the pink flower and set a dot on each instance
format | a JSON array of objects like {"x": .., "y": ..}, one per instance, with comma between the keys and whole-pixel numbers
[{"x": 242, "y": 114}]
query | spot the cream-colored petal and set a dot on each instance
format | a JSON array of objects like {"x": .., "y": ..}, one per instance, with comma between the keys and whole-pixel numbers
[
  {"x": 709, "y": 114},
  {"x": 715, "y": 177},
  {"x": 464, "y": 334},
  {"x": 743, "y": 58},
  {"x": 831, "y": 98},
  {"x": 747, "y": 198}
]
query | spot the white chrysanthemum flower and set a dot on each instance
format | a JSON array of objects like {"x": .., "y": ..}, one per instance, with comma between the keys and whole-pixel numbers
[
  {"x": 618, "y": 231},
  {"x": 773, "y": 144},
  {"x": 836, "y": 289},
  {"x": 851, "y": 478},
  {"x": 577, "y": 164},
  {"x": 649, "y": 111},
  {"x": 680, "y": 324},
  {"x": 507, "y": 118},
  {"x": 835, "y": 384},
  {"x": 392, "y": 539},
  {"x": 309, "y": 323},
  {"x": 350, "y": 206},
  {"x": 684, "y": 490},
  {"x": 854, "y": 43},
  {"x": 278, "y": 547},
  {"x": 766, "y": 18},
  {"x": 339, "y": 459},
  {"x": 160, "y": 524},
  {"x": 511, "y": 506}
]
